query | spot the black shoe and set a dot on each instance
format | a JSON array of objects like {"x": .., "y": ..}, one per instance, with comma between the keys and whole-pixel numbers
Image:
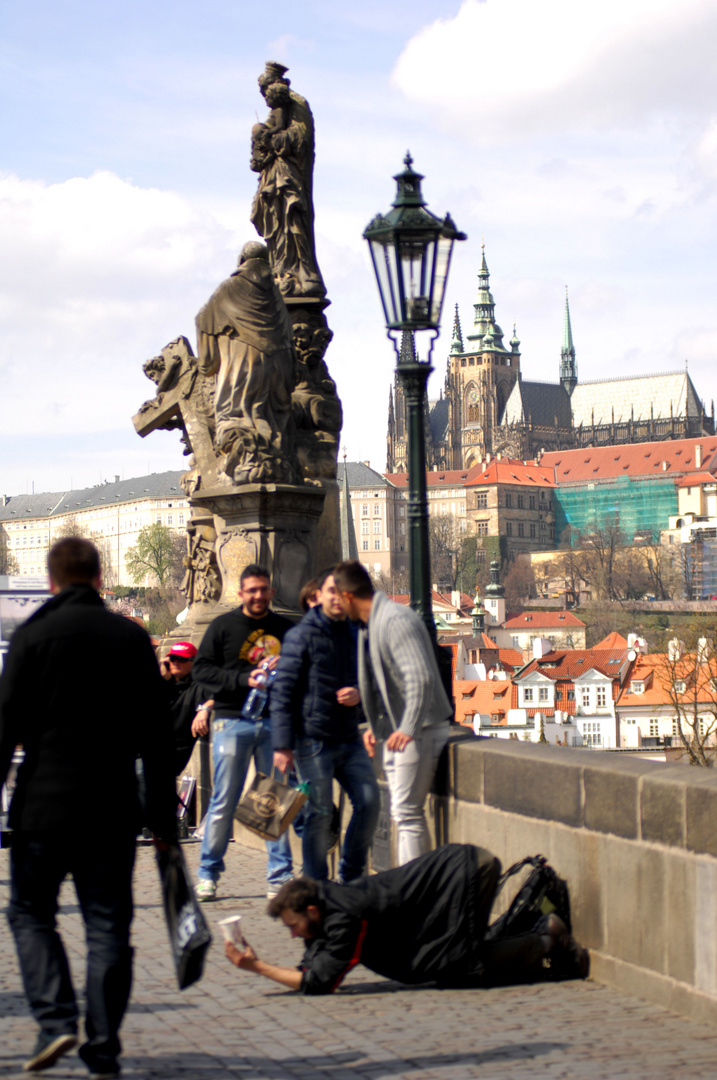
[
  {"x": 48, "y": 1050},
  {"x": 101, "y": 1068}
]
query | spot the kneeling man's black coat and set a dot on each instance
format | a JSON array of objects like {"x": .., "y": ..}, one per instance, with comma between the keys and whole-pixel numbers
[{"x": 422, "y": 922}]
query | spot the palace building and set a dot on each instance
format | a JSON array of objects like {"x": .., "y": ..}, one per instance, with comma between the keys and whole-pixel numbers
[{"x": 486, "y": 408}]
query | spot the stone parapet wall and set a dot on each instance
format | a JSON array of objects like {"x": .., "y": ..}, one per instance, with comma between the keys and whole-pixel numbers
[{"x": 636, "y": 841}]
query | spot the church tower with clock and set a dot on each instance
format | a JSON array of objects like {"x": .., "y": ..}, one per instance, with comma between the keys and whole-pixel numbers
[{"x": 481, "y": 374}]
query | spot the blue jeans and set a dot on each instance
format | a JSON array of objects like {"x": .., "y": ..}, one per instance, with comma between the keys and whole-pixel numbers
[
  {"x": 101, "y": 865},
  {"x": 320, "y": 763},
  {"x": 234, "y": 743}
]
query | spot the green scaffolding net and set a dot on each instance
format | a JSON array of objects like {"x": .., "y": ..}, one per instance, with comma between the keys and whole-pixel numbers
[{"x": 639, "y": 507}]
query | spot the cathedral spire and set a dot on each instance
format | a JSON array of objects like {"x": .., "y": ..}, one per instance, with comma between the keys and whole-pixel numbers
[
  {"x": 349, "y": 548},
  {"x": 568, "y": 366},
  {"x": 457, "y": 342},
  {"x": 407, "y": 354},
  {"x": 484, "y": 307}
]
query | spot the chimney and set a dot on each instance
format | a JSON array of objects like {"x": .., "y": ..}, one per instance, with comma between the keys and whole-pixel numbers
[
  {"x": 698, "y": 456},
  {"x": 116, "y": 478}
]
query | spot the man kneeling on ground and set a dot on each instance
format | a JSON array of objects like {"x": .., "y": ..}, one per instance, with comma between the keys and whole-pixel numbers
[{"x": 422, "y": 922}]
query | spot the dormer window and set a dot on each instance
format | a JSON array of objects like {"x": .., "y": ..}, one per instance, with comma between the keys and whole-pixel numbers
[
  {"x": 637, "y": 686},
  {"x": 680, "y": 686},
  {"x": 528, "y": 694}
]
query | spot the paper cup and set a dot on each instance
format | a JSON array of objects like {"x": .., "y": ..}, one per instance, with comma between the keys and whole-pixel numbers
[{"x": 231, "y": 929}]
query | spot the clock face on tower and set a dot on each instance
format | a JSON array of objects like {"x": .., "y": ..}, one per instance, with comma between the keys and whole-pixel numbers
[{"x": 472, "y": 396}]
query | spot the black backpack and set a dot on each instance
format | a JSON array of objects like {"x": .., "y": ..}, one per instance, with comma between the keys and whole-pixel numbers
[{"x": 542, "y": 893}]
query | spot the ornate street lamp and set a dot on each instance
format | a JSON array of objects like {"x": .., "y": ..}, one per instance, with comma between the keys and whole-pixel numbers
[{"x": 411, "y": 252}]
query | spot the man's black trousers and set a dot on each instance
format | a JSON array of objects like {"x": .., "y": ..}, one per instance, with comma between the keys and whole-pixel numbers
[{"x": 101, "y": 866}]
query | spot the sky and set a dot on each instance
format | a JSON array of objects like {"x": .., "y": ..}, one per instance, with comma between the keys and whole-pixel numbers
[{"x": 579, "y": 142}]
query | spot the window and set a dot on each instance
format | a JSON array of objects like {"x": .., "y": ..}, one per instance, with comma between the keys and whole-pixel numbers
[
  {"x": 508, "y": 500},
  {"x": 364, "y": 545},
  {"x": 508, "y": 528},
  {"x": 377, "y": 545},
  {"x": 376, "y": 526},
  {"x": 364, "y": 528},
  {"x": 600, "y": 696},
  {"x": 654, "y": 728},
  {"x": 180, "y": 519},
  {"x": 521, "y": 529},
  {"x": 516, "y": 641},
  {"x": 543, "y": 693},
  {"x": 480, "y": 555},
  {"x": 585, "y": 697},
  {"x": 532, "y": 531},
  {"x": 481, "y": 528},
  {"x": 170, "y": 519},
  {"x": 521, "y": 500},
  {"x": 364, "y": 510},
  {"x": 531, "y": 501},
  {"x": 376, "y": 509},
  {"x": 571, "y": 695},
  {"x": 528, "y": 693},
  {"x": 680, "y": 686},
  {"x": 591, "y": 733},
  {"x": 482, "y": 500}
]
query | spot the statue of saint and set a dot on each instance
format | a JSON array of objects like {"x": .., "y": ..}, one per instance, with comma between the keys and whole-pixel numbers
[
  {"x": 282, "y": 151},
  {"x": 244, "y": 335}
]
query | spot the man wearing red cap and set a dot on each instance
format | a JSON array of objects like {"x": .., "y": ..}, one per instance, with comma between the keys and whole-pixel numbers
[{"x": 187, "y": 701}]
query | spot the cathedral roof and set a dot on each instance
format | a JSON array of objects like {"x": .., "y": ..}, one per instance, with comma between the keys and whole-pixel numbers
[
  {"x": 640, "y": 397},
  {"x": 438, "y": 419},
  {"x": 539, "y": 403}
]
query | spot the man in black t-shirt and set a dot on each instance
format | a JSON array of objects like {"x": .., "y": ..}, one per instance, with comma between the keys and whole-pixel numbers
[{"x": 227, "y": 667}]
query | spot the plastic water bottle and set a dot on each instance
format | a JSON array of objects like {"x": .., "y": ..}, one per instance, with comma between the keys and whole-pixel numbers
[{"x": 258, "y": 696}]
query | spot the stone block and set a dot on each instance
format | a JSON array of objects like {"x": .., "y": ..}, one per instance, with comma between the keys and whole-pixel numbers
[
  {"x": 535, "y": 783},
  {"x": 579, "y": 857},
  {"x": 612, "y": 797},
  {"x": 663, "y": 808},
  {"x": 701, "y": 812},
  {"x": 466, "y": 770},
  {"x": 636, "y": 904},
  {"x": 682, "y": 929}
]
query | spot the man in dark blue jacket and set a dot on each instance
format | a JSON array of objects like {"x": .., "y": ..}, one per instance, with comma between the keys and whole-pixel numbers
[{"x": 314, "y": 721}]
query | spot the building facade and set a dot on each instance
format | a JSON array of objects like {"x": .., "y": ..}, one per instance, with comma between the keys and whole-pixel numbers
[{"x": 110, "y": 514}]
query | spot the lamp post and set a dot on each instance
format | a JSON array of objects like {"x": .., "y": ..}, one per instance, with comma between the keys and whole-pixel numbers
[{"x": 411, "y": 252}]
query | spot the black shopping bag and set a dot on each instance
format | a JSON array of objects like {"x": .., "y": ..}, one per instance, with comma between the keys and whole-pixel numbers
[
  {"x": 268, "y": 807},
  {"x": 189, "y": 936}
]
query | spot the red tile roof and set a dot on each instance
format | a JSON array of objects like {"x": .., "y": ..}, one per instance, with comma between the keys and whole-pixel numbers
[
  {"x": 633, "y": 460},
  {"x": 507, "y": 471},
  {"x": 696, "y": 479},
  {"x": 437, "y": 478},
  {"x": 538, "y": 619},
  {"x": 491, "y": 697},
  {"x": 569, "y": 663},
  {"x": 612, "y": 641}
]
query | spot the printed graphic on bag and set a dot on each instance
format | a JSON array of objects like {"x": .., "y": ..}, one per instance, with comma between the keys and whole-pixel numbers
[{"x": 265, "y": 802}]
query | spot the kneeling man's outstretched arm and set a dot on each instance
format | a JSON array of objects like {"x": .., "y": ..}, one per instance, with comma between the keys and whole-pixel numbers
[{"x": 249, "y": 961}]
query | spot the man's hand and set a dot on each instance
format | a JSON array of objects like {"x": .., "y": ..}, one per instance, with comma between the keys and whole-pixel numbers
[
  {"x": 398, "y": 741},
  {"x": 245, "y": 959},
  {"x": 369, "y": 741},
  {"x": 348, "y": 695},
  {"x": 200, "y": 723},
  {"x": 257, "y": 677},
  {"x": 283, "y": 760}
]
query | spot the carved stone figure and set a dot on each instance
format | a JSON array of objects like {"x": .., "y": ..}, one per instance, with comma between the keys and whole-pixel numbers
[
  {"x": 282, "y": 151},
  {"x": 244, "y": 336},
  {"x": 201, "y": 582},
  {"x": 317, "y": 408}
]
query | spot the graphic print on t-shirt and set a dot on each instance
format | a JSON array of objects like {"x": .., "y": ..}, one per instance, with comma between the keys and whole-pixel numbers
[{"x": 259, "y": 646}]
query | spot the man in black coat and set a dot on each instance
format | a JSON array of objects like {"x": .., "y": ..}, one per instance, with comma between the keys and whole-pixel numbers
[
  {"x": 76, "y": 807},
  {"x": 422, "y": 922}
]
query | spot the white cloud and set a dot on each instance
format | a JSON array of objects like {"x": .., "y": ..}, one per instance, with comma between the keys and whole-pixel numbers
[{"x": 507, "y": 67}]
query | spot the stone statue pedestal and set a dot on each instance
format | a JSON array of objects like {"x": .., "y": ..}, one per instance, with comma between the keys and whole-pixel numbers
[{"x": 274, "y": 525}]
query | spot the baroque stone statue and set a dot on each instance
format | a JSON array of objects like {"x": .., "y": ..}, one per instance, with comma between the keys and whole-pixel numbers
[
  {"x": 244, "y": 337},
  {"x": 282, "y": 152}
]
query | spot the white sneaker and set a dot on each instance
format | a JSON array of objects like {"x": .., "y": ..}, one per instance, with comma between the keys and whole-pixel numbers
[{"x": 206, "y": 889}]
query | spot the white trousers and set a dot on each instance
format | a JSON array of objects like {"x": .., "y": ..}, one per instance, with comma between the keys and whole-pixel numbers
[{"x": 409, "y": 774}]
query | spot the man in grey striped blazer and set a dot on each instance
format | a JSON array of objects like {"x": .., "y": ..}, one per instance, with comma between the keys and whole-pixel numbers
[{"x": 403, "y": 699}]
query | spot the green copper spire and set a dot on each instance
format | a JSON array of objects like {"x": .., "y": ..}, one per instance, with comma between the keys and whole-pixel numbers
[
  {"x": 515, "y": 341},
  {"x": 484, "y": 308},
  {"x": 568, "y": 366},
  {"x": 457, "y": 342}
]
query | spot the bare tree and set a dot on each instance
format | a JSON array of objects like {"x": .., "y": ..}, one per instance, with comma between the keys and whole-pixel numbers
[
  {"x": 688, "y": 674},
  {"x": 445, "y": 538},
  {"x": 8, "y": 562},
  {"x": 519, "y": 582},
  {"x": 662, "y": 571}
]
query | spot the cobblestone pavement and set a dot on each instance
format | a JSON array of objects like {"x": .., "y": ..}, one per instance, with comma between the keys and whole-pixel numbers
[{"x": 233, "y": 1024}]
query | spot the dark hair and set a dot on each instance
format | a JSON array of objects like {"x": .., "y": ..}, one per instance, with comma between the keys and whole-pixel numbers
[
  {"x": 73, "y": 561},
  {"x": 308, "y": 593},
  {"x": 254, "y": 570},
  {"x": 296, "y": 895},
  {"x": 321, "y": 579},
  {"x": 352, "y": 577}
]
